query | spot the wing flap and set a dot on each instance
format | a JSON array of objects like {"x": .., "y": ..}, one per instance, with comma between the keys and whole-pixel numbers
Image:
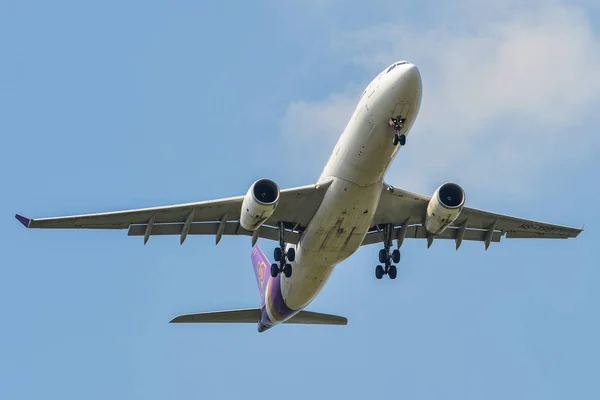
[
  {"x": 419, "y": 232},
  {"x": 535, "y": 235},
  {"x": 247, "y": 315},
  {"x": 210, "y": 228}
]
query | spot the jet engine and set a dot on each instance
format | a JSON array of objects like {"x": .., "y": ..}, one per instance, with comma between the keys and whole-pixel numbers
[
  {"x": 444, "y": 207},
  {"x": 259, "y": 204}
]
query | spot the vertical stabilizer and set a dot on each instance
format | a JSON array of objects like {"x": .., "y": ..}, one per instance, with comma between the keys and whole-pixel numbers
[{"x": 261, "y": 265}]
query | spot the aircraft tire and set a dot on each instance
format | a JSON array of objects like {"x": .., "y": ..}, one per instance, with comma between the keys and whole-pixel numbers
[
  {"x": 393, "y": 272},
  {"x": 395, "y": 139},
  {"x": 382, "y": 256},
  {"x": 379, "y": 272},
  {"x": 396, "y": 256},
  {"x": 287, "y": 270},
  {"x": 402, "y": 140},
  {"x": 277, "y": 254},
  {"x": 274, "y": 270},
  {"x": 291, "y": 254}
]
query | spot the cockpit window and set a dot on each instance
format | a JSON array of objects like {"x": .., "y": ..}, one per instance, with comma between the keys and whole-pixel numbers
[{"x": 395, "y": 65}]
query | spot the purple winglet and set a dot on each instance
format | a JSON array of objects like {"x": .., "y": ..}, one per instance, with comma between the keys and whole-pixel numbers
[{"x": 25, "y": 221}]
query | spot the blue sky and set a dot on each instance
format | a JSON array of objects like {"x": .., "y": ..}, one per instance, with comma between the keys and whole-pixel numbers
[{"x": 131, "y": 104}]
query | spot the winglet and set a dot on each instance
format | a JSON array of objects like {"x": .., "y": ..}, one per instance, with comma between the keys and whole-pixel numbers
[{"x": 25, "y": 221}]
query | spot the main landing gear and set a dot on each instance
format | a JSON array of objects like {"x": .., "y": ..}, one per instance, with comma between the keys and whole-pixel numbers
[
  {"x": 282, "y": 257},
  {"x": 398, "y": 123},
  {"x": 386, "y": 257}
]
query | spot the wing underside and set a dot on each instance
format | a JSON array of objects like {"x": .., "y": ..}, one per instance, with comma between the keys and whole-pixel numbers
[
  {"x": 406, "y": 213},
  {"x": 220, "y": 217}
]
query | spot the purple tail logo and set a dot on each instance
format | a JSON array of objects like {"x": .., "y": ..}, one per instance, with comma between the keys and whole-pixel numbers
[{"x": 261, "y": 267}]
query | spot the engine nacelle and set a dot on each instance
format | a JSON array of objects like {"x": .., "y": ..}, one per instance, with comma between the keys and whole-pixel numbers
[
  {"x": 444, "y": 207},
  {"x": 259, "y": 204}
]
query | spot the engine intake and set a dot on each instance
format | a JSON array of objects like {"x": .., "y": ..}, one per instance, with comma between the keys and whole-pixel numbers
[
  {"x": 444, "y": 207},
  {"x": 259, "y": 204},
  {"x": 451, "y": 195}
]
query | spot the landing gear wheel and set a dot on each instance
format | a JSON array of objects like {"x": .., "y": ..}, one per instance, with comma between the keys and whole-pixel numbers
[
  {"x": 396, "y": 256},
  {"x": 395, "y": 140},
  {"x": 291, "y": 254},
  {"x": 386, "y": 255},
  {"x": 392, "y": 272},
  {"x": 379, "y": 272},
  {"x": 274, "y": 270},
  {"x": 287, "y": 270},
  {"x": 277, "y": 254},
  {"x": 402, "y": 140},
  {"x": 383, "y": 255},
  {"x": 281, "y": 256}
]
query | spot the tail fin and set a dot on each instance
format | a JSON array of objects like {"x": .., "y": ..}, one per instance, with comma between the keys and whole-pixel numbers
[{"x": 261, "y": 265}]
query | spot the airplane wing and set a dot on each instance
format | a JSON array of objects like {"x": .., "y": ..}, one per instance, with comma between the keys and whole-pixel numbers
[
  {"x": 296, "y": 208},
  {"x": 406, "y": 211}
]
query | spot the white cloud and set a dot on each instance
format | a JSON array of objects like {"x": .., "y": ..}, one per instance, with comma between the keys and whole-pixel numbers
[
  {"x": 308, "y": 122},
  {"x": 503, "y": 99},
  {"x": 316, "y": 119}
]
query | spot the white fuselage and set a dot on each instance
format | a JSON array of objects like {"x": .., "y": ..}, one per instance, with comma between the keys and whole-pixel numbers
[{"x": 356, "y": 166}]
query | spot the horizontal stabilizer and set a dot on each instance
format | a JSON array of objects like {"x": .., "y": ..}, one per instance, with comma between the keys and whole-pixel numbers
[
  {"x": 247, "y": 315},
  {"x": 313, "y": 318},
  {"x": 252, "y": 315}
]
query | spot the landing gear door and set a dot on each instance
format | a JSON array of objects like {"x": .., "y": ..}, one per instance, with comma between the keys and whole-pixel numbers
[{"x": 402, "y": 109}]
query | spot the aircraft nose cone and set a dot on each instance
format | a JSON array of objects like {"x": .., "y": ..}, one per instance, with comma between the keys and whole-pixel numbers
[
  {"x": 408, "y": 83},
  {"x": 411, "y": 74}
]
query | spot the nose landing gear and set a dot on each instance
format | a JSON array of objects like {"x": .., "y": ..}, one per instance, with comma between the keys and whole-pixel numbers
[
  {"x": 282, "y": 257},
  {"x": 398, "y": 123},
  {"x": 386, "y": 257}
]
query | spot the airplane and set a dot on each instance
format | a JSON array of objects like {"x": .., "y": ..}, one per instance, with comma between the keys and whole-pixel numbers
[{"x": 322, "y": 224}]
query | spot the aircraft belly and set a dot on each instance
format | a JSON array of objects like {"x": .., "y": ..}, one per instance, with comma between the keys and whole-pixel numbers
[
  {"x": 357, "y": 166},
  {"x": 335, "y": 232}
]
